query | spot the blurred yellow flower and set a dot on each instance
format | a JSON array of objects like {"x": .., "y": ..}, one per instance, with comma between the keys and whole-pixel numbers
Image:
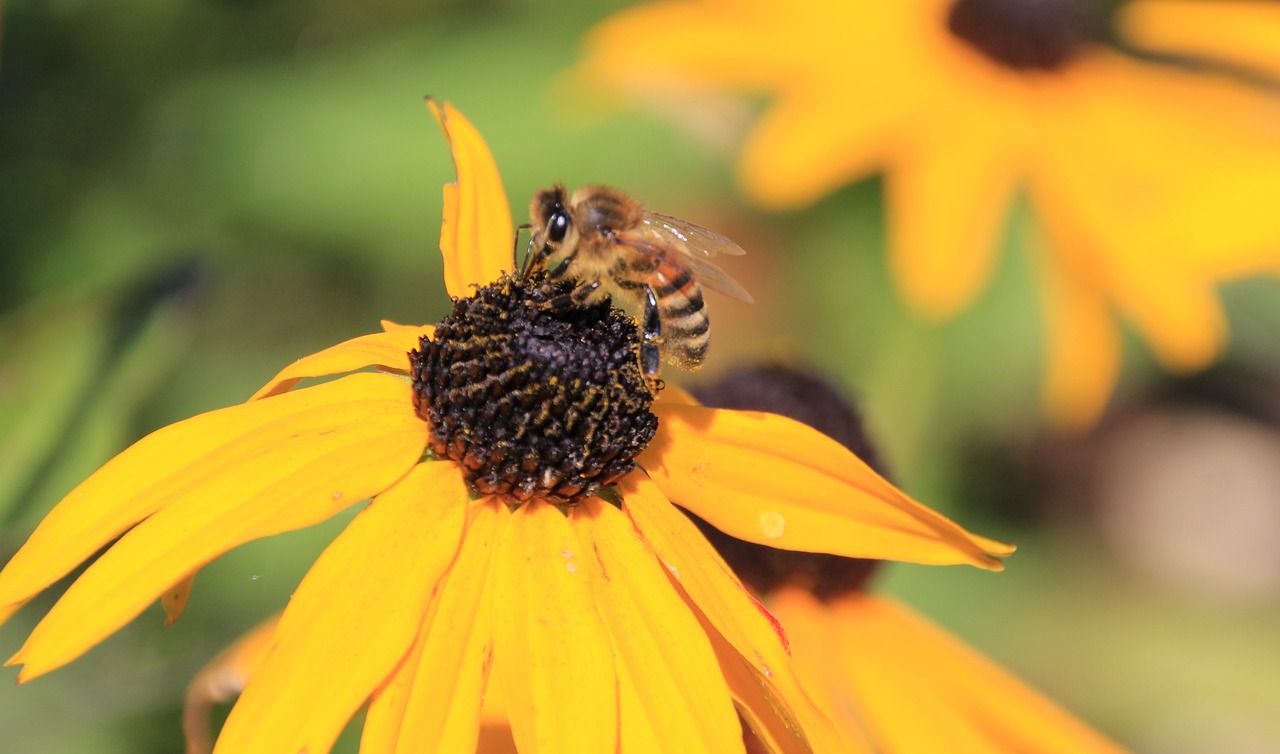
[
  {"x": 1151, "y": 182},
  {"x": 607, "y": 620},
  {"x": 875, "y": 665},
  {"x": 878, "y": 669}
]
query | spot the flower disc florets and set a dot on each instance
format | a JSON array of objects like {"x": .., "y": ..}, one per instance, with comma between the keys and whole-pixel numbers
[{"x": 533, "y": 396}]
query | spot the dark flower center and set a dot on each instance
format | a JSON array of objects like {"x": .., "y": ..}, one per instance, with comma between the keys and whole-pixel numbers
[
  {"x": 1022, "y": 34},
  {"x": 534, "y": 397}
]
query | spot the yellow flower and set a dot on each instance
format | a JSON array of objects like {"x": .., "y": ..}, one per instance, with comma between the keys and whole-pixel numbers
[
  {"x": 874, "y": 664},
  {"x": 878, "y": 669},
  {"x": 608, "y": 623},
  {"x": 1151, "y": 182}
]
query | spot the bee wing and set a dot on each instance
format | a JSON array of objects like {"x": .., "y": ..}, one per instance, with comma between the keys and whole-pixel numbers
[
  {"x": 694, "y": 240},
  {"x": 705, "y": 272}
]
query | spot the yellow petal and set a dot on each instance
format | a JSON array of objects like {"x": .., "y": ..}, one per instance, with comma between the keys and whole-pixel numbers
[
  {"x": 343, "y": 442},
  {"x": 947, "y": 207},
  {"x": 179, "y": 460},
  {"x": 750, "y": 644},
  {"x": 637, "y": 732},
  {"x": 432, "y": 702},
  {"x": 894, "y": 669},
  {"x": 678, "y": 695},
  {"x": 551, "y": 650},
  {"x": 777, "y": 482},
  {"x": 388, "y": 350},
  {"x": 813, "y": 637},
  {"x": 224, "y": 677},
  {"x": 495, "y": 731},
  {"x": 353, "y": 618},
  {"x": 1083, "y": 345},
  {"x": 648, "y": 47},
  {"x": 811, "y": 143},
  {"x": 1239, "y": 32},
  {"x": 1152, "y": 239},
  {"x": 476, "y": 236}
]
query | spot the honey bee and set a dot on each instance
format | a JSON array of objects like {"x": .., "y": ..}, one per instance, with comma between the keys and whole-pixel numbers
[{"x": 609, "y": 244}]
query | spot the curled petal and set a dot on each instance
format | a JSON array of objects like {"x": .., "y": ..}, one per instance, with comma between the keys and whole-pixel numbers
[
  {"x": 777, "y": 482},
  {"x": 224, "y": 677},
  {"x": 551, "y": 651},
  {"x": 353, "y": 618},
  {"x": 387, "y": 350},
  {"x": 220, "y": 479},
  {"x": 174, "y": 599},
  {"x": 476, "y": 236}
]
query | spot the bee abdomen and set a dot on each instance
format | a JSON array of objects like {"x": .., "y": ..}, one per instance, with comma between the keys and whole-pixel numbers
[
  {"x": 686, "y": 330},
  {"x": 680, "y": 281}
]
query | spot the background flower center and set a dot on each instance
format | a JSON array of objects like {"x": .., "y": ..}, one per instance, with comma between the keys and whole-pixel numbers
[{"x": 1022, "y": 34}]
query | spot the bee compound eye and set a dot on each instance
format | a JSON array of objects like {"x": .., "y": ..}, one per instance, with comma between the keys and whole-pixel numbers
[{"x": 558, "y": 226}]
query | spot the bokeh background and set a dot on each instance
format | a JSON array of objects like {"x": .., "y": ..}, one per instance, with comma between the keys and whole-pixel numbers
[{"x": 196, "y": 192}]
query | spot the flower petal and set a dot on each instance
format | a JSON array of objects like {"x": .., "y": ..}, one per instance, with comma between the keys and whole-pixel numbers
[
  {"x": 1149, "y": 238},
  {"x": 388, "y": 350},
  {"x": 1083, "y": 345},
  {"x": 777, "y": 482},
  {"x": 676, "y": 691},
  {"x": 1236, "y": 32},
  {"x": 894, "y": 669},
  {"x": 947, "y": 206},
  {"x": 761, "y": 677},
  {"x": 353, "y": 617},
  {"x": 180, "y": 459},
  {"x": 769, "y": 719},
  {"x": 801, "y": 150},
  {"x": 648, "y": 47},
  {"x": 476, "y": 236},
  {"x": 495, "y": 730},
  {"x": 334, "y": 445},
  {"x": 224, "y": 677},
  {"x": 551, "y": 650},
  {"x": 432, "y": 702}
]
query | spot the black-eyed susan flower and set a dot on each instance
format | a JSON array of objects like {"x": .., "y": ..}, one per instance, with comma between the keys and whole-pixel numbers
[
  {"x": 873, "y": 665},
  {"x": 521, "y": 533},
  {"x": 1151, "y": 182}
]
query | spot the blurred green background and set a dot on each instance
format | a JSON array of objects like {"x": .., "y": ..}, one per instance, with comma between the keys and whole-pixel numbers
[{"x": 196, "y": 193}]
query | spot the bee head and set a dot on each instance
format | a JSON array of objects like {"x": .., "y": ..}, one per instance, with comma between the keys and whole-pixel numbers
[{"x": 550, "y": 215}]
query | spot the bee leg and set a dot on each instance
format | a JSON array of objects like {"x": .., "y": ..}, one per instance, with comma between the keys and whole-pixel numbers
[
  {"x": 515, "y": 248},
  {"x": 651, "y": 336},
  {"x": 650, "y": 363},
  {"x": 560, "y": 269},
  {"x": 579, "y": 296},
  {"x": 584, "y": 293}
]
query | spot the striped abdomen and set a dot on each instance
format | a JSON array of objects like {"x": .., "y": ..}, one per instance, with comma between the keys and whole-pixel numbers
[{"x": 686, "y": 330}]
